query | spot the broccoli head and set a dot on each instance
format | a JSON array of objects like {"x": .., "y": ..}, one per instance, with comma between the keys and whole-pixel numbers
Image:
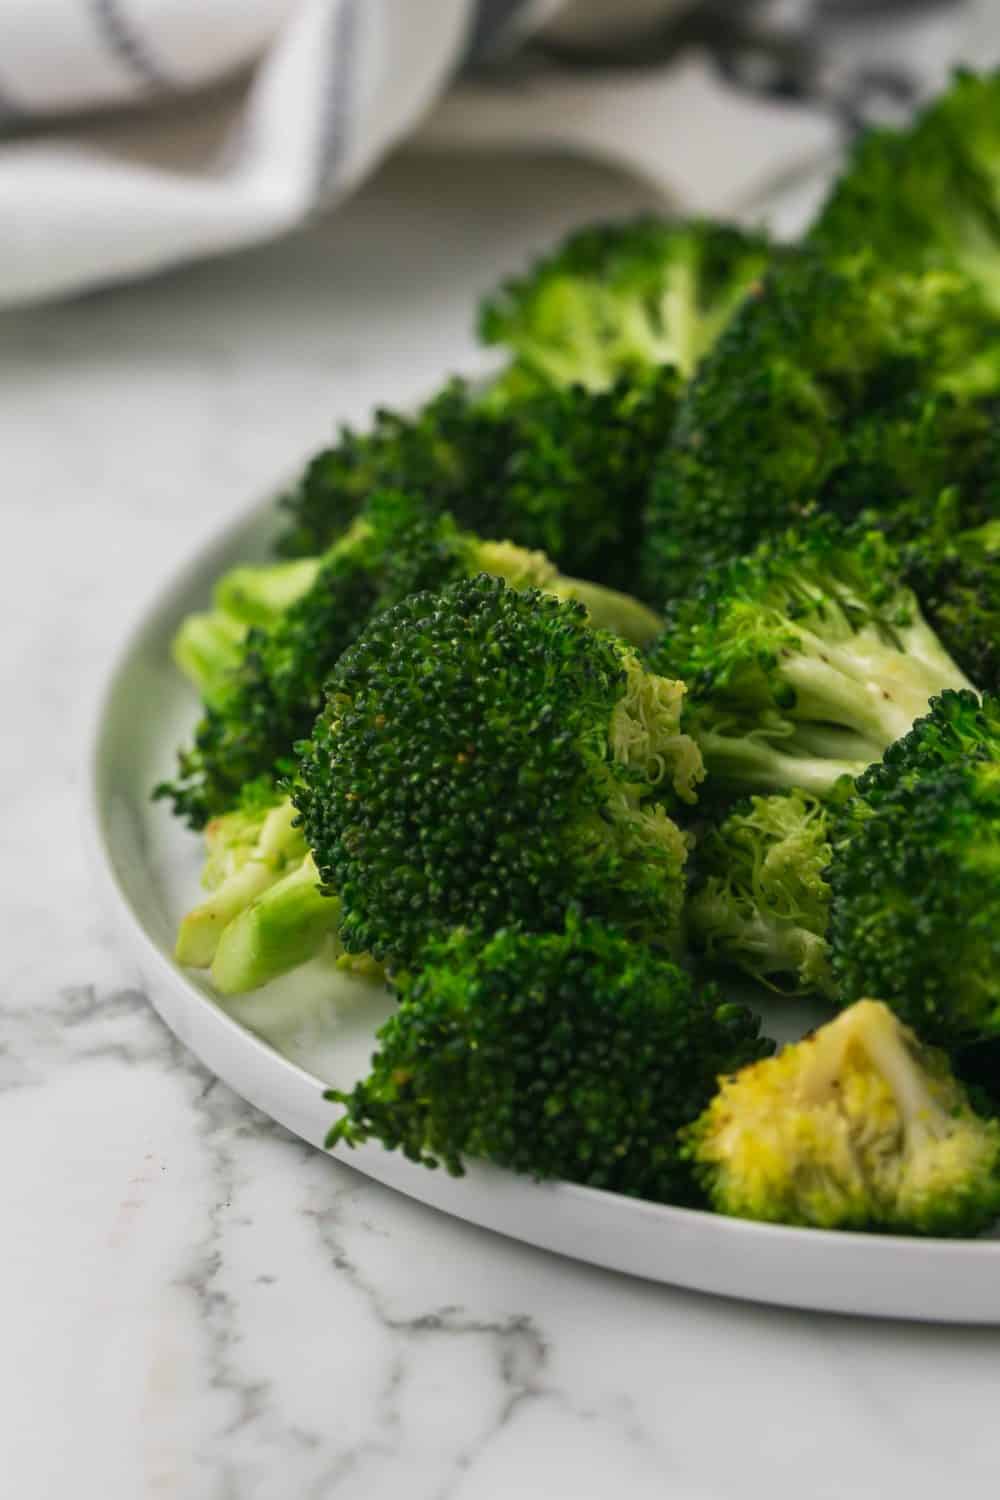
[
  {"x": 563, "y": 471},
  {"x": 915, "y": 900},
  {"x": 928, "y": 194},
  {"x": 760, "y": 900},
  {"x": 958, "y": 727},
  {"x": 921, "y": 464},
  {"x": 856, "y": 1127},
  {"x": 485, "y": 758},
  {"x": 573, "y": 1054},
  {"x": 957, "y": 579},
  {"x": 622, "y": 298},
  {"x": 764, "y": 430},
  {"x": 803, "y": 660},
  {"x": 270, "y": 699}
]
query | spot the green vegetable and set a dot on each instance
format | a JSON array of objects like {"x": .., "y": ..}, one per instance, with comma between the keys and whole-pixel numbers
[
  {"x": 563, "y": 471},
  {"x": 208, "y": 646},
  {"x": 572, "y": 1054},
  {"x": 485, "y": 758},
  {"x": 622, "y": 298},
  {"x": 271, "y": 698},
  {"x": 957, "y": 578},
  {"x": 767, "y": 427},
  {"x": 247, "y": 853},
  {"x": 894, "y": 848},
  {"x": 760, "y": 898},
  {"x": 285, "y": 926},
  {"x": 927, "y": 195},
  {"x": 959, "y": 727},
  {"x": 803, "y": 660},
  {"x": 856, "y": 1127},
  {"x": 915, "y": 902}
]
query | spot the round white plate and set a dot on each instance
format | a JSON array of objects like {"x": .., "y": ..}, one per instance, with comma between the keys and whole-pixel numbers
[{"x": 280, "y": 1047}]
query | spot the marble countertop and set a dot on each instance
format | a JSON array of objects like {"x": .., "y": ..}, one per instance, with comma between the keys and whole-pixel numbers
[{"x": 193, "y": 1304}]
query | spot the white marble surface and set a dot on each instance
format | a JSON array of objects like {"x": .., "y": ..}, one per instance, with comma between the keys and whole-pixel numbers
[{"x": 192, "y": 1304}]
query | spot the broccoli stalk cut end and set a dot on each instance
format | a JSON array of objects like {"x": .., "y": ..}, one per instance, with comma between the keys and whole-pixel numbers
[
  {"x": 245, "y": 874},
  {"x": 287, "y": 925}
]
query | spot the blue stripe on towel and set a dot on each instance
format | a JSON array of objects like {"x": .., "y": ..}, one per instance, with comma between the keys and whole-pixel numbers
[{"x": 121, "y": 36}]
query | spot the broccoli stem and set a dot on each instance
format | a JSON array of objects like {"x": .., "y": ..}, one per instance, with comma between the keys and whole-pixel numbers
[
  {"x": 768, "y": 946},
  {"x": 206, "y": 648},
  {"x": 288, "y": 924},
  {"x": 750, "y": 761},
  {"x": 608, "y": 609},
  {"x": 921, "y": 642},
  {"x": 278, "y": 845},
  {"x": 876, "y": 688},
  {"x": 258, "y": 595}
]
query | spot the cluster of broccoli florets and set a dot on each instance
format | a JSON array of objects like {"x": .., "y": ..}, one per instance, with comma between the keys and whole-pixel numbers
[{"x": 672, "y": 652}]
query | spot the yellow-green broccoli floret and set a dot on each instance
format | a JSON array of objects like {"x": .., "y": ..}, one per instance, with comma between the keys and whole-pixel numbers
[
  {"x": 760, "y": 900},
  {"x": 857, "y": 1127}
]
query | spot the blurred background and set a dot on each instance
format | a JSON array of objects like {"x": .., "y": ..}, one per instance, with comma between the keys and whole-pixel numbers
[{"x": 137, "y": 134}]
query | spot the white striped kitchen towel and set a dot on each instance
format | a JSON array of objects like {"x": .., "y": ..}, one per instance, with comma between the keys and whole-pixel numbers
[{"x": 135, "y": 134}]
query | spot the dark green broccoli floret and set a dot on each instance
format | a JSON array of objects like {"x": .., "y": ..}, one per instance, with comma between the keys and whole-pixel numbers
[
  {"x": 484, "y": 758},
  {"x": 959, "y": 727},
  {"x": 856, "y": 1127},
  {"x": 926, "y": 195},
  {"x": 270, "y": 699},
  {"x": 622, "y": 298},
  {"x": 957, "y": 579},
  {"x": 573, "y": 1054},
  {"x": 761, "y": 896},
  {"x": 803, "y": 660},
  {"x": 915, "y": 901},
  {"x": 760, "y": 900},
  {"x": 922, "y": 463},
  {"x": 563, "y": 470},
  {"x": 764, "y": 431}
]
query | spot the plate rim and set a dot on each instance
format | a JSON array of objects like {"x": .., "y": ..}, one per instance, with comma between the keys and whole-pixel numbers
[{"x": 256, "y": 1056}]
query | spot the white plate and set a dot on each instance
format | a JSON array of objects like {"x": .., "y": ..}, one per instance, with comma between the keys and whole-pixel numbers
[{"x": 280, "y": 1047}]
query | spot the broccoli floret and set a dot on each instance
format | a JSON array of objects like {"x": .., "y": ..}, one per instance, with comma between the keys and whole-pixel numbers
[
  {"x": 928, "y": 194},
  {"x": 803, "y": 660},
  {"x": 764, "y": 429},
  {"x": 572, "y": 1054},
  {"x": 621, "y": 298},
  {"x": 957, "y": 579},
  {"x": 271, "y": 699},
  {"x": 485, "y": 758},
  {"x": 924, "y": 463},
  {"x": 915, "y": 900},
  {"x": 564, "y": 471},
  {"x": 760, "y": 900},
  {"x": 959, "y": 727},
  {"x": 856, "y": 1127}
]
